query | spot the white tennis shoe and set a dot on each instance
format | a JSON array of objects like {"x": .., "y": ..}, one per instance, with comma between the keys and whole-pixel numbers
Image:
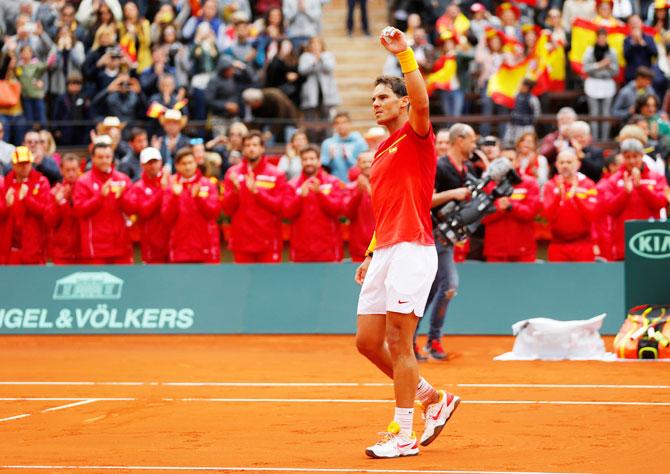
[
  {"x": 393, "y": 444},
  {"x": 437, "y": 415}
]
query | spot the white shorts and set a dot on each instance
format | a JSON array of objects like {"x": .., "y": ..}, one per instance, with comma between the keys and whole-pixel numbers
[{"x": 398, "y": 279}]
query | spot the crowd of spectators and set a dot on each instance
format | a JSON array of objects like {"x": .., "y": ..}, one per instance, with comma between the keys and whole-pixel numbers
[
  {"x": 67, "y": 64},
  {"x": 127, "y": 79}
]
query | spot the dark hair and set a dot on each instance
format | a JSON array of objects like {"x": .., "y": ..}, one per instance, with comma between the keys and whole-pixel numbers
[
  {"x": 641, "y": 101},
  {"x": 645, "y": 72},
  {"x": 396, "y": 84},
  {"x": 73, "y": 157},
  {"x": 253, "y": 134},
  {"x": 309, "y": 148},
  {"x": 266, "y": 17},
  {"x": 183, "y": 153},
  {"x": 136, "y": 132},
  {"x": 341, "y": 115},
  {"x": 99, "y": 145}
]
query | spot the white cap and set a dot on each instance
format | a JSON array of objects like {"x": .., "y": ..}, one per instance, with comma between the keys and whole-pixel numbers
[
  {"x": 111, "y": 122},
  {"x": 106, "y": 139},
  {"x": 172, "y": 114},
  {"x": 148, "y": 154}
]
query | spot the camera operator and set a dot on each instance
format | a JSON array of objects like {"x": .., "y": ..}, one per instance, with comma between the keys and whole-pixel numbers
[{"x": 452, "y": 171}]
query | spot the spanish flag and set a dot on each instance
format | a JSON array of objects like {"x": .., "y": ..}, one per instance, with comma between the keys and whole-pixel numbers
[
  {"x": 584, "y": 35},
  {"x": 504, "y": 85},
  {"x": 549, "y": 72},
  {"x": 155, "y": 110},
  {"x": 443, "y": 74}
]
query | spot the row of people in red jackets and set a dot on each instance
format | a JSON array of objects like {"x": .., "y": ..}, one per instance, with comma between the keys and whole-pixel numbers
[
  {"x": 586, "y": 220},
  {"x": 87, "y": 218}
]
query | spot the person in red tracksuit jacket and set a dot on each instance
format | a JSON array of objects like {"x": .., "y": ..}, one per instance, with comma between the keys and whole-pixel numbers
[
  {"x": 313, "y": 203},
  {"x": 570, "y": 206},
  {"x": 147, "y": 195},
  {"x": 252, "y": 197},
  {"x": 26, "y": 196},
  {"x": 102, "y": 202},
  {"x": 633, "y": 192},
  {"x": 190, "y": 209},
  {"x": 64, "y": 236},
  {"x": 510, "y": 232},
  {"x": 358, "y": 208}
]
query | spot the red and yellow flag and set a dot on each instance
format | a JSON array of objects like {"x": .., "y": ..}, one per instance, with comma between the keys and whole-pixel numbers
[
  {"x": 443, "y": 74},
  {"x": 155, "y": 110},
  {"x": 504, "y": 85},
  {"x": 549, "y": 72},
  {"x": 584, "y": 35}
]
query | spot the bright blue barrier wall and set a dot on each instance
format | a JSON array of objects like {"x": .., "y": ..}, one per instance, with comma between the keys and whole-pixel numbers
[{"x": 285, "y": 298}]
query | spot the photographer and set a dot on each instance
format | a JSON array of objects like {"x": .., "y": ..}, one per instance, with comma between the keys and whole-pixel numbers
[
  {"x": 122, "y": 97},
  {"x": 452, "y": 172}
]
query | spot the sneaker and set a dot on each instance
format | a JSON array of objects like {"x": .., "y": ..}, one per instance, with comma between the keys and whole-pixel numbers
[
  {"x": 420, "y": 356},
  {"x": 434, "y": 348},
  {"x": 393, "y": 444},
  {"x": 437, "y": 415}
]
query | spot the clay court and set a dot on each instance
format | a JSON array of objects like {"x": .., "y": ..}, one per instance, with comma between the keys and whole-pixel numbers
[{"x": 312, "y": 404}]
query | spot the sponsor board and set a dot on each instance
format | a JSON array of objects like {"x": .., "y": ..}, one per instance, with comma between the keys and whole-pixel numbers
[{"x": 94, "y": 301}]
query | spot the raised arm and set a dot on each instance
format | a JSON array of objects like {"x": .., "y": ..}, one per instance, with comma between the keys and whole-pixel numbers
[{"x": 395, "y": 42}]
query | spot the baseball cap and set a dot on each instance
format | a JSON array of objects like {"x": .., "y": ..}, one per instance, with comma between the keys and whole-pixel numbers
[
  {"x": 22, "y": 154},
  {"x": 105, "y": 139},
  {"x": 111, "y": 122},
  {"x": 148, "y": 154},
  {"x": 172, "y": 114},
  {"x": 477, "y": 7}
]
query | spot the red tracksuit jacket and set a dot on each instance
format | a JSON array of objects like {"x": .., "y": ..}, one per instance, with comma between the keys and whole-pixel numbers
[
  {"x": 571, "y": 216},
  {"x": 102, "y": 219},
  {"x": 315, "y": 225},
  {"x": 194, "y": 234},
  {"x": 25, "y": 227},
  {"x": 255, "y": 218},
  {"x": 358, "y": 208},
  {"x": 511, "y": 234},
  {"x": 644, "y": 202},
  {"x": 64, "y": 238},
  {"x": 147, "y": 196}
]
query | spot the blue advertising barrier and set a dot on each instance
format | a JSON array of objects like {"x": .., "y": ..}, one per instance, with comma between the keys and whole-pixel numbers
[{"x": 285, "y": 299}]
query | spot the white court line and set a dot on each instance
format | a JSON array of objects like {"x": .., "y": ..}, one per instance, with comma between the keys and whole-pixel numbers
[
  {"x": 82, "y": 401},
  {"x": 332, "y": 384},
  {"x": 66, "y": 399},
  {"x": 17, "y": 417},
  {"x": 71, "y": 405},
  {"x": 551, "y": 385},
  {"x": 474, "y": 402},
  {"x": 271, "y": 469}
]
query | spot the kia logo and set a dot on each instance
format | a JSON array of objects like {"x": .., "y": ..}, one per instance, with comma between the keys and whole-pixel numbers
[{"x": 651, "y": 244}]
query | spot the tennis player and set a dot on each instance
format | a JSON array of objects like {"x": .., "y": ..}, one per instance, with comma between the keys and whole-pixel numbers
[{"x": 400, "y": 267}]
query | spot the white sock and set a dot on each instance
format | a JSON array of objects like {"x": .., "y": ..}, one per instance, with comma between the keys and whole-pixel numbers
[
  {"x": 405, "y": 418},
  {"x": 425, "y": 392}
]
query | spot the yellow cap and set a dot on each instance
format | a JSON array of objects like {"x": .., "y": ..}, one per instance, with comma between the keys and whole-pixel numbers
[{"x": 22, "y": 154}]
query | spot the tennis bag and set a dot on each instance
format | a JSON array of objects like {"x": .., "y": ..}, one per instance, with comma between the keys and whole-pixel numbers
[{"x": 645, "y": 334}]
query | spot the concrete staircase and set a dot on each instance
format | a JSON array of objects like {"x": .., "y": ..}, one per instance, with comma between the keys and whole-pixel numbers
[{"x": 360, "y": 59}]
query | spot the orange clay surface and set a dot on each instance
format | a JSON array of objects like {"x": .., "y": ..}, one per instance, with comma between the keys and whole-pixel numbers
[{"x": 312, "y": 404}]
